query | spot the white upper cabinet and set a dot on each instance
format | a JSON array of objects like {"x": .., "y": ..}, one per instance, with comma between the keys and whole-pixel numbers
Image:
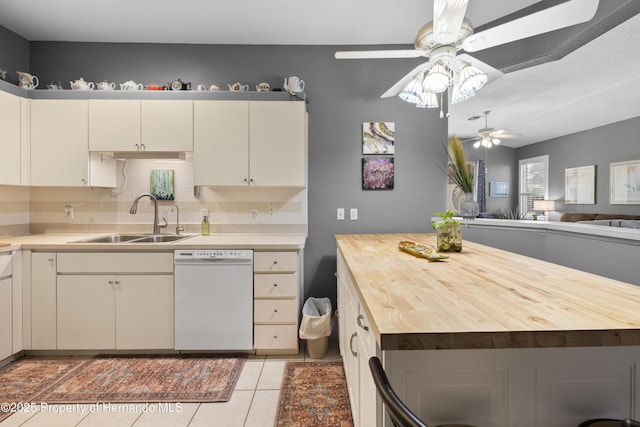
[
  {"x": 59, "y": 142},
  {"x": 114, "y": 125},
  {"x": 278, "y": 148},
  {"x": 221, "y": 143},
  {"x": 10, "y": 139},
  {"x": 250, "y": 143},
  {"x": 124, "y": 125},
  {"x": 167, "y": 125}
]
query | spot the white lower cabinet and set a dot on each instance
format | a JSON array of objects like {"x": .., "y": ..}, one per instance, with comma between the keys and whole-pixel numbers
[
  {"x": 276, "y": 302},
  {"x": 6, "y": 322},
  {"x": 357, "y": 346},
  {"x": 101, "y": 301},
  {"x": 124, "y": 312}
]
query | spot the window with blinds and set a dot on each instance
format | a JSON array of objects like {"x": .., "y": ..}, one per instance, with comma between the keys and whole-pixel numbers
[{"x": 534, "y": 178}]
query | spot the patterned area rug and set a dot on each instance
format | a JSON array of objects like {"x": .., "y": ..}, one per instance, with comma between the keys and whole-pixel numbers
[
  {"x": 314, "y": 394},
  {"x": 118, "y": 379}
]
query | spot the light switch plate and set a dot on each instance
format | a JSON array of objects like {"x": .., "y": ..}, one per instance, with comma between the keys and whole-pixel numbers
[
  {"x": 340, "y": 214},
  {"x": 353, "y": 214}
]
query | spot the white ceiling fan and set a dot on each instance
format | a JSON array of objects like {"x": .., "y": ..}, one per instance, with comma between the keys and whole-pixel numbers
[
  {"x": 441, "y": 39},
  {"x": 488, "y": 137}
]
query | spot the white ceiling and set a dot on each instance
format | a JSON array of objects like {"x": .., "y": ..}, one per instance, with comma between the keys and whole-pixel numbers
[{"x": 593, "y": 86}]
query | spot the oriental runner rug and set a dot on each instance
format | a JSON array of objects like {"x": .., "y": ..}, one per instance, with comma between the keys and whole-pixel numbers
[
  {"x": 120, "y": 379},
  {"x": 314, "y": 394}
]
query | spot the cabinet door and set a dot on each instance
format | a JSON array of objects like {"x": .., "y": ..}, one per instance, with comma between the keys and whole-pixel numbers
[
  {"x": 278, "y": 154},
  {"x": 6, "y": 321},
  {"x": 167, "y": 125},
  {"x": 9, "y": 139},
  {"x": 59, "y": 142},
  {"x": 86, "y": 313},
  {"x": 144, "y": 312},
  {"x": 221, "y": 143},
  {"x": 43, "y": 301},
  {"x": 114, "y": 125}
]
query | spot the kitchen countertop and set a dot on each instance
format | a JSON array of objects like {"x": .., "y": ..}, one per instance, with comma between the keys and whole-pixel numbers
[
  {"x": 485, "y": 298},
  {"x": 64, "y": 241}
]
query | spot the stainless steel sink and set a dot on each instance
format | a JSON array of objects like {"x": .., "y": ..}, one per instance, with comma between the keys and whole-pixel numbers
[
  {"x": 136, "y": 238},
  {"x": 161, "y": 238},
  {"x": 112, "y": 238}
]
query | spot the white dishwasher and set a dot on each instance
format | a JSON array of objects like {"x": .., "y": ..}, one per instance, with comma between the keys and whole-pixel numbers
[{"x": 214, "y": 299}]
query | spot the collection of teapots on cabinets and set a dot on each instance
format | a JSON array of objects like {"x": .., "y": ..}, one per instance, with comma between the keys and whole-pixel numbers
[{"x": 292, "y": 84}]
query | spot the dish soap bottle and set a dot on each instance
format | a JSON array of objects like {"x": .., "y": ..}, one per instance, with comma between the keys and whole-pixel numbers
[{"x": 205, "y": 222}]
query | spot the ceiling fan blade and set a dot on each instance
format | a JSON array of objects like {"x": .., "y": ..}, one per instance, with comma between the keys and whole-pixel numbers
[
  {"x": 400, "y": 84},
  {"x": 447, "y": 19},
  {"x": 378, "y": 54},
  {"x": 508, "y": 135},
  {"x": 560, "y": 16}
]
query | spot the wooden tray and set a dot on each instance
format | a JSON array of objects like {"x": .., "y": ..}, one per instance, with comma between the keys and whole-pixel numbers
[{"x": 421, "y": 250}]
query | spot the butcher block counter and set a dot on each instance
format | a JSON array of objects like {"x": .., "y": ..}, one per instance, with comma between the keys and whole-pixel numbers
[
  {"x": 485, "y": 337},
  {"x": 484, "y": 297}
]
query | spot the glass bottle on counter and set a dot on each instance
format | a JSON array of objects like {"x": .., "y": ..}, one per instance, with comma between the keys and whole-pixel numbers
[{"x": 205, "y": 222}]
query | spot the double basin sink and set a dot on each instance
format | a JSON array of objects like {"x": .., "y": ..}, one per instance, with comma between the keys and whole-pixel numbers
[{"x": 136, "y": 238}]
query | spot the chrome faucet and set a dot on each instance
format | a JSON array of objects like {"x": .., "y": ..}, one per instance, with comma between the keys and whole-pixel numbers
[
  {"x": 134, "y": 210},
  {"x": 179, "y": 228}
]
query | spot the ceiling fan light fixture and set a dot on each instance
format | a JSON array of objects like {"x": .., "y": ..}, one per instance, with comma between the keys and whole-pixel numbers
[
  {"x": 437, "y": 79},
  {"x": 471, "y": 78},
  {"x": 476, "y": 144},
  {"x": 413, "y": 91},
  {"x": 429, "y": 100},
  {"x": 459, "y": 96},
  {"x": 495, "y": 141}
]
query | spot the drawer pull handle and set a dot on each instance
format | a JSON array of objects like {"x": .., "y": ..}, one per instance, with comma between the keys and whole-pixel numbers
[
  {"x": 275, "y": 310},
  {"x": 275, "y": 285},
  {"x": 360, "y": 322},
  {"x": 111, "y": 282},
  {"x": 355, "y": 354},
  {"x": 275, "y": 262}
]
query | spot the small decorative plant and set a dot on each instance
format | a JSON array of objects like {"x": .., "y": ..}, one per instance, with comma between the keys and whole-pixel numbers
[
  {"x": 449, "y": 235},
  {"x": 462, "y": 170}
]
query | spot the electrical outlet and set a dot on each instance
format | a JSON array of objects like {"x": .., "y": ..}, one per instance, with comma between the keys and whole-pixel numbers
[
  {"x": 69, "y": 211},
  {"x": 254, "y": 213},
  {"x": 340, "y": 214},
  {"x": 353, "y": 214}
]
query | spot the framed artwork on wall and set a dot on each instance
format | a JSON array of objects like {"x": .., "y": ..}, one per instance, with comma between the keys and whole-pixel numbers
[
  {"x": 378, "y": 138},
  {"x": 624, "y": 184},
  {"x": 378, "y": 173},
  {"x": 498, "y": 189},
  {"x": 161, "y": 184},
  {"x": 580, "y": 185}
]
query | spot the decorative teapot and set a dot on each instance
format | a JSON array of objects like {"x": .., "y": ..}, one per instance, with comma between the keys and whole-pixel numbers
[
  {"x": 80, "y": 84},
  {"x": 105, "y": 85},
  {"x": 27, "y": 81},
  {"x": 293, "y": 84},
  {"x": 180, "y": 85},
  {"x": 238, "y": 87},
  {"x": 54, "y": 86},
  {"x": 131, "y": 85},
  {"x": 156, "y": 86},
  {"x": 263, "y": 87},
  {"x": 3, "y": 74}
]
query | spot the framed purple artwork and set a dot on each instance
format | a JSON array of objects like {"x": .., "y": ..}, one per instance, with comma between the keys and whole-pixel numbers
[{"x": 377, "y": 173}]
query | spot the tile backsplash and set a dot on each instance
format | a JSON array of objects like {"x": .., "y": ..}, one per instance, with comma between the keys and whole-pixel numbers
[{"x": 42, "y": 209}]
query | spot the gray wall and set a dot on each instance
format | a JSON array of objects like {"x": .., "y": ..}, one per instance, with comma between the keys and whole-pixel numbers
[
  {"x": 14, "y": 54},
  {"x": 600, "y": 146},
  {"x": 342, "y": 94}
]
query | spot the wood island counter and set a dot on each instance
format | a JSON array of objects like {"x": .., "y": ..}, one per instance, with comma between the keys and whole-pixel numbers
[{"x": 486, "y": 337}]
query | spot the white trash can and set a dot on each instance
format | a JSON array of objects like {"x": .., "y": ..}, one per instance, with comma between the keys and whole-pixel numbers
[{"x": 316, "y": 326}]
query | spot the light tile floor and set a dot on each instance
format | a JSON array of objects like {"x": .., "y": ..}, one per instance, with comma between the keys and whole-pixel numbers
[{"x": 253, "y": 404}]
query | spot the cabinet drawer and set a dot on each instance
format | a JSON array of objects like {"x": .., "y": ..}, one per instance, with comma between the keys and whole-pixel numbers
[
  {"x": 275, "y": 311},
  {"x": 111, "y": 262},
  {"x": 274, "y": 262},
  {"x": 275, "y": 285},
  {"x": 274, "y": 337}
]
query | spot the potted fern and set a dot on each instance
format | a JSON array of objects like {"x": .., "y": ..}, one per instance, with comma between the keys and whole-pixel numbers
[
  {"x": 462, "y": 173},
  {"x": 448, "y": 233}
]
